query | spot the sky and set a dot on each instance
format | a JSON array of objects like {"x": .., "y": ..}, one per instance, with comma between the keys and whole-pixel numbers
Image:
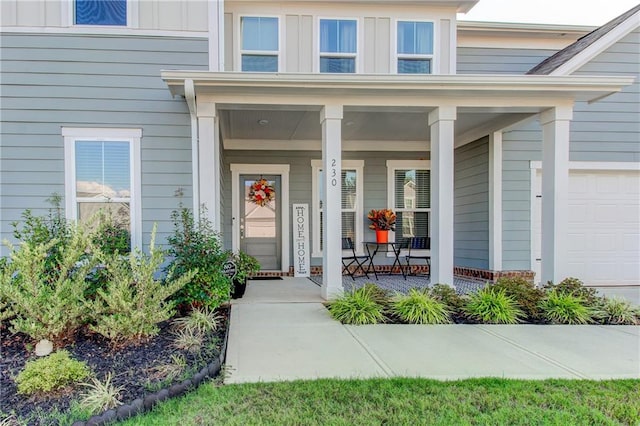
[{"x": 571, "y": 12}]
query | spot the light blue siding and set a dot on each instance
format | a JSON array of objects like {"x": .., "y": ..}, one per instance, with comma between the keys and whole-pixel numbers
[
  {"x": 50, "y": 81},
  {"x": 475, "y": 60}
]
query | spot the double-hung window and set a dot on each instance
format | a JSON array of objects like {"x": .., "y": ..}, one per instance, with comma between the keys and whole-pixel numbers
[
  {"x": 338, "y": 45},
  {"x": 100, "y": 12},
  {"x": 351, "y": 203},
  {"x": 102, "y": 168},
  {"x": 260, "y": 44},
  {"x": 410, "y": 195},
  {"x": 415, "y": 47}
]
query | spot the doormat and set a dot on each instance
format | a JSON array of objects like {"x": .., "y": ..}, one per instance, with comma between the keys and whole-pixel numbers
[{"x": 265, "y": 278}]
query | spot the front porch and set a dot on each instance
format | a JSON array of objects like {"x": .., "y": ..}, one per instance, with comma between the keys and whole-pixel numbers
[{"x": 397, "y": 283}]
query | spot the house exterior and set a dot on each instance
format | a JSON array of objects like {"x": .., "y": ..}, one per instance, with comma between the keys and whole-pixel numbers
[{"x": 514, "y": 147}]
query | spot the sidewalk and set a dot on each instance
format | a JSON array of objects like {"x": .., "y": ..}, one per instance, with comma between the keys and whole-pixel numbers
[{"x": 281, "y": 331}]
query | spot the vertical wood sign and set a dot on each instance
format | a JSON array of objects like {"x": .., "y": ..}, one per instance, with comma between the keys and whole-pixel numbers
[{"x": 301, "y": 254}]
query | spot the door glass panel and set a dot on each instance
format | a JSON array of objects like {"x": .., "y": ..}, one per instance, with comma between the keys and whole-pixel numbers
[{"x": 259, "y": 221}]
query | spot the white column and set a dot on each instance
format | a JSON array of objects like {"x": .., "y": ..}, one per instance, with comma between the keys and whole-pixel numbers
[
  {"x": 331, "y": 120},
  {"x": 441, "y": 121},
  {"x": 495, "y": 201},
  {"x": 216, "y": 35},
  {"x": 555, "y": 187},
  {"x": 209, "y": 162}
]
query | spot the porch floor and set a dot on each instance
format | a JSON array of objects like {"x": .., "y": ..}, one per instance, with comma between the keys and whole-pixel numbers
[{"x": 397, "y": 283}]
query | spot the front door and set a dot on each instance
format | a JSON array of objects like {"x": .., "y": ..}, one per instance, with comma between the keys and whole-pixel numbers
[{"x": 260, "y": 224}]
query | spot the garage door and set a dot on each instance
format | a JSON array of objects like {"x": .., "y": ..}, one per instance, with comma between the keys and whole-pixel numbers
[{"x": 604, "y": 227}]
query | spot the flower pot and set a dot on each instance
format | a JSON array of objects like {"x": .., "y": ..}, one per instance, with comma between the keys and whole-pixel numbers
[
  {"x": 238, "y": 289},
  {"x": 382, "y": 235}
]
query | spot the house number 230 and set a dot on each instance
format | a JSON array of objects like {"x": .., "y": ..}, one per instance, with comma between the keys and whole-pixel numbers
[{"x": 334, "y": 173}]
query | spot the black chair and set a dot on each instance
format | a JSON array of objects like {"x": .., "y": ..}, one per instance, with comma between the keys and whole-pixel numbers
[
  {"x": 418, "y": 243},
  {"x": 352, "y": 258}
]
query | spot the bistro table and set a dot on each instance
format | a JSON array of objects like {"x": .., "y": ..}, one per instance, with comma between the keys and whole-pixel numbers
[{"x": 374, "y": 247}]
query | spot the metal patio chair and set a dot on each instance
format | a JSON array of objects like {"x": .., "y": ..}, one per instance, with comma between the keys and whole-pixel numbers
[
  {"x": 351, "y": 258},
  {"x": 418, "y": 243}
]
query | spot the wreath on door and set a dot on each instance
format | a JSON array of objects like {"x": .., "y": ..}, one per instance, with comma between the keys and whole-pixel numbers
[{"x": 261, "y": 192}]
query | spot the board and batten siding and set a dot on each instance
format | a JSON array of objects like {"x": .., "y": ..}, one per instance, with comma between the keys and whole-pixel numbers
[
  {"x": 471, "y": 205},
  {"x": 300, "y": 181},
  {"x": 54, "y": 81},
  {"x": 605, "y": 131},
  {"x": 476, "y": 60}
]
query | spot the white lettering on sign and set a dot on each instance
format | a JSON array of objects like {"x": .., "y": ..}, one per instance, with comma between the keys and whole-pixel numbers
[{"x": 301, "y": 265}]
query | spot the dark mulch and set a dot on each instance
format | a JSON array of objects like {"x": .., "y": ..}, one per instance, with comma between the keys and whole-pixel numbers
[{"x": 134, "y": 367}]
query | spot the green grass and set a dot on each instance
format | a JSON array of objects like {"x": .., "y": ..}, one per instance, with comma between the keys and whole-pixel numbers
[{"x": 405, "y": 402}]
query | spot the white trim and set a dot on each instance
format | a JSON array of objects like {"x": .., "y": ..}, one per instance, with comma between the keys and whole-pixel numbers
[
  {"x": 238, "y": 45},
  {"x": 599, "y": 46},
  {"x": 358, "y": 166},
  {"x": 267, "y": 169},
  {"x": 316, "y": 145},
  {"x": 359, "y": 44},
  {"x": 594, "y": 165},
  {"x": 533, "y": 195},
  {"x": 71, "y": 135},
  {"x": 433, "y": 66},
  {"x": 495, "y": 201},
  {"x": 97, "y": 30}
]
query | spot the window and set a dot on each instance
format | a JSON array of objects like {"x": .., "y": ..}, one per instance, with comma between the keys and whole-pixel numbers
[
  {"x": 338, "y": 45},
  {"x": 415, "y": 47},
  {"x": 260, "y": 44},
  {"x": 101, "y": 12},
  {"x": 410, "y": 196},
  {"x": 102, "y": 174},
  {"x": 351, "y": 184}
]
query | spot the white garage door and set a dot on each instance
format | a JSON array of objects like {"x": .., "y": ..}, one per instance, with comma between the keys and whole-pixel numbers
[{"x": 604, "y": 227}]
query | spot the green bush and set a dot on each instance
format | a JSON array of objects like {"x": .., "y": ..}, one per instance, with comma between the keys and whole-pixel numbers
[
  {"x": 616, "y": 311},
  {"x": 526, "y": 294},
  {"x": 50, "y": 373},
  {"x": 194, "y": 246},
  {"x": 575, "y": 287},
  {"x": 111, "y": 235},
  {"x": 565, "y": 308},
  {"x": 451, "y": 299},
  {"x": 133, "y": 302},
  {"x": 492, "y": 306},
  {"x": 357, "y": 307},
  {"x": 47, "y": 304},
  {"x": 418, "y": 307}
]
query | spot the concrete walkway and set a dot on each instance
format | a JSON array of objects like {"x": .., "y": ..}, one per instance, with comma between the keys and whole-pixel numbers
[{"x": 280, "y": 330}]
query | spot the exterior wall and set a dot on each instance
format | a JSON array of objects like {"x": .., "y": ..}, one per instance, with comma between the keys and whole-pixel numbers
[
  {"x": 477, "y": 60},
  {"x": 156, "y": 15},
  {"x": 300, "y": 190},
  {"x": 376, "y": 32},
  {"x": 52, "y": 81},
  {"x": 471, "y": 205}
]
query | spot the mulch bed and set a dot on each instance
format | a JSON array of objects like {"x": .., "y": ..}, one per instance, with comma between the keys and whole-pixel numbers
[{"x": 134, "y": 367}]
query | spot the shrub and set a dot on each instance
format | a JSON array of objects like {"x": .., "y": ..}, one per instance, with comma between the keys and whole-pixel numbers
[
  {"x": 357, "y": 307},
  {"x": 616, "y": 311},
  {"x": 491, "y": 306},
  {"x": 575, "y": 287},
  {"x": 50, "y": 373},
  {"x": 202, "y": 319},
  {"x": 526, "y": 294},
  {"x": 418, "y": 307},
  {"x": 194, "y": 246},
  {"x": 188, "y": 339},
  {"x": 451, "y": 299},
  {"x": 134, "y": 302},
  {"x": 101, "y": 396},
  {"x": 565, "y": 308},
  {"x": 111, "y": 234},
  {"x": 47, "y": 304}
]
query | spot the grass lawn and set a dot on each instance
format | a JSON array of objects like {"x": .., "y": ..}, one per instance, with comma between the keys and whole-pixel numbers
[{"x": 405, "y": 402}]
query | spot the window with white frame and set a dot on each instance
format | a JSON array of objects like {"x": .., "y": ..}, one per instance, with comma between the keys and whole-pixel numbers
[
  {"x": 351, "y": 205},
  {"x": 100, "y": 12},
  {"x": 414, "y": 47},
  {"x": 260, "y": 44},
  {"x": 338, "y": 45},
  {"x": 409, "y": 189},
  {"x": 102, "y": 174}
]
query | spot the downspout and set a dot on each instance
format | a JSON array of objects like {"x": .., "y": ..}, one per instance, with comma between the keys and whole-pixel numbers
[{"x": 190, "y": 97}]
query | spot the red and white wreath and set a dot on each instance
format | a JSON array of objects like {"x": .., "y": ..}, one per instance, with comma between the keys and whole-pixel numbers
[{"x": 262, "y": 192}]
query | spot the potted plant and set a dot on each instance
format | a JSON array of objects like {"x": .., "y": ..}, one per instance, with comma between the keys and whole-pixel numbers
[
  {"x": 246, "y": 266},
  {"x": 382, "y": 221}
]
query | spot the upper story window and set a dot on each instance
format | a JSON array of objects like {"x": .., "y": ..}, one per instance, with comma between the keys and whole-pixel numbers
[
  {"x": 260, "y": 44},
  {"x": 338, "y": 45},
  {"x": 415, "y": 47},
  {"x": 101, "y": 12}
]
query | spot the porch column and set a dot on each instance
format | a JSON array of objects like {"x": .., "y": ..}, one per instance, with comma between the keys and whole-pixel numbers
[
  {"x": 331, "y": 120},
  {"x": 495, "y": 201},
  {"x": 209, "y": 161},
  {"x": 555, "y": 187},
  {"x": 441, "y": 121}
]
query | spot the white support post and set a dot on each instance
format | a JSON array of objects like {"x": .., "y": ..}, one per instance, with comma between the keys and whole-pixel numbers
[
  {"x": 331, "y": 120},
  {"x": 216, "y": 35},
  {"x": 495, "y": 201},
  {"x": 209, "y": 162},
  {"x": 555, "y": 189},
  {"x": 441, "y": 121}
]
